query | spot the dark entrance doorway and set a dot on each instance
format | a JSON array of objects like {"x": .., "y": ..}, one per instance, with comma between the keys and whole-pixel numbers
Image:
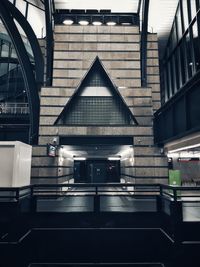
[{"x": 97, "y": 171}]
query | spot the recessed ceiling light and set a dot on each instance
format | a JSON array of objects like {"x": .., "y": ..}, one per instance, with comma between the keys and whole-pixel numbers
[
  {"x": 126, "y": 23},
  {"x": 79, "y": 158},
  {"x": 97, "y": 23},
  {"x": 83, "y": 22},
  {"x": 68, "y": 21},
  {"x": 111, "y": 23},
  {"x": 113, "y": 158}
]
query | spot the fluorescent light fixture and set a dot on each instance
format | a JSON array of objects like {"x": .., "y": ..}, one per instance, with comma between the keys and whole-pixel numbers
[
  {"x": 83, "y": 22},
  {"x": 97, "y": 23},
  {"x": 113, "y": 158},
  {"x": 111, "y": 23},
  {"x": 183, "y": 148},
  {"x": 79, "y": 158},
  {"x": 68, "y": 21},
  {"x": 126, "y": 23}
]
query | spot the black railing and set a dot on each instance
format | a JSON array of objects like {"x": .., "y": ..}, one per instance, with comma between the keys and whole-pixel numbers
[
  {"x": 95, "y": 194},
  {"x": 172, "y": 193},
  {"x": 14, "y": 194},
  {"x": 176, "y": 201}
]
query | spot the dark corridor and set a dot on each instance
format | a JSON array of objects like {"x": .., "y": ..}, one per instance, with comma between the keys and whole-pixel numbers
[{"x": 97, "y": 171}]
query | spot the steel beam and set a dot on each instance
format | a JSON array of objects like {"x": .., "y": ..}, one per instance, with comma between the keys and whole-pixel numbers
[
  {"x": 49, "y": 41},
  {"x": 144, "y": 35},
  {"x": 27, "y": 71}
]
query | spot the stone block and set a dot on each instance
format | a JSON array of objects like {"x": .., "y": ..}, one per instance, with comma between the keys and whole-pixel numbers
[
  {"x": 39, "y": 150},
  {"x": 127, "y": 82},
  {"x": 152, "y": 45},
  {"x": 152, "y": 54},
  {"x": 153, "y": 70},
  {"x": 144, "y": 120},
  {"x": 66, "y": 82},
  {"x": 147, "y": 151},
  {"x": 152, "y": 37},
  {"x": 47, "y": 120},
  {"x": 152, "y": 62},
  {"x": 153, "y": 79},
  {"x": 54, "y": 101},
  {"x": 44, "y": 161},
  {"x": 65, "y": 92},
  {"x": 50, "y": 110},
  {"x": 142, "y": 111}
]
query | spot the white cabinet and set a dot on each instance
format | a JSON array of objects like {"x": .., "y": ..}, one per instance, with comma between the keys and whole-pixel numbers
[{"x": 15, "y": 164}]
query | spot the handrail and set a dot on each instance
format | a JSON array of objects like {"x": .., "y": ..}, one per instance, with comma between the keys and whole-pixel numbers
[
  {"x": 95, "y": 185},
  {"x": 14, "y": 108},
  {"x": 173, "y": 193}
]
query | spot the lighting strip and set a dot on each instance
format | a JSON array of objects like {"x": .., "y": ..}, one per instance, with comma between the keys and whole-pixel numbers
[{"x": 183, "y": 148}]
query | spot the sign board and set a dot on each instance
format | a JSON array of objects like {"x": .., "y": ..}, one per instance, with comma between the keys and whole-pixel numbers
[
  {"x": 175, "y": 177},
  {"x": 51, "y": 150}
]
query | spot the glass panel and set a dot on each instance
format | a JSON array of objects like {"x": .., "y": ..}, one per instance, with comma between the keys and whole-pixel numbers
[
  {"x": 183, "y": 63},
  {"x": 174, "y": 37},
  {"x": 166, "y": 85},
  {"x": 12, "y": 86},
  {"x": 185, "y": 14},
  {"x": 177, "y": 70},
  {"x": 25, "y": 41},
  {"x": 36, "y": 18},
  {"x": 198, "y": 4},
  {"x": 196, "y": 45},
  {"x": 5, "y": 47},
  {"x": 21, "y": 5},
  {"x": 179, "y": 24},
  {"x": 169, "y": 79},
  {"x": 193, "y": 8},
  {"x": 172, "y": 75},
  {"x": 96, "y": 110},
  {"x": 189, "y": 57}
]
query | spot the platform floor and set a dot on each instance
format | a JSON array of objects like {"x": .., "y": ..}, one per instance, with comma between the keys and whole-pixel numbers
[{"x": 76, "y": 201}]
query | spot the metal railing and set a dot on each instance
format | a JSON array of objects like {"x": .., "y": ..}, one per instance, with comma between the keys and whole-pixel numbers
[
  {"x": 15, "y": 194},
  {"x": 164, "y": 196},
  {"x": 180, "y": 193},
  {"x": 97, "y": 197},
  {"x": 14, "y": 108}
]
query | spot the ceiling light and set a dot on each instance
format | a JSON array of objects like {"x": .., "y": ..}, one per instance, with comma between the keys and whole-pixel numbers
[
  {"x": 111, "y": 23},
  {"x": 97, "y": 23},
  {"x": 114, "y": 158},
  {"x": 126, "y": 23},
  {"x": 79, "y": 158},
  {"x": 184, "y": 148},
  {"x": 68, "y": 21},
  {"x": 83, "y": 22}
]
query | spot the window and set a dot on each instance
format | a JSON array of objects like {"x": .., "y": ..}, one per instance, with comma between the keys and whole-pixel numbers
[
  {"x": 185, "y": 14},
  {"x": 196, "y": 45}
]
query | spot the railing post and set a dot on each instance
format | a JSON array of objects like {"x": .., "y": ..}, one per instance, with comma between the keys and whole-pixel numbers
[
  {"x": 33, "y": 203},
  {"x": 159, "y": 200},
  {"x": 176, "y": 219},
  {"x": 17, "y": 194},
  {"x": 175, "y": 194},
  {"x": 96, "y": 201}
]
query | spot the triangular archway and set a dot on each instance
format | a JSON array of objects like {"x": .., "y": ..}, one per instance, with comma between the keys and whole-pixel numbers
[{"x": 96, "y": 101}]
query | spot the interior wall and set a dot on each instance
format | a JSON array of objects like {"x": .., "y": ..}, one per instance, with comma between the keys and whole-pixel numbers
[
  {"x": 127, "y": 165},
  {"x": 65, "y": 166}
]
